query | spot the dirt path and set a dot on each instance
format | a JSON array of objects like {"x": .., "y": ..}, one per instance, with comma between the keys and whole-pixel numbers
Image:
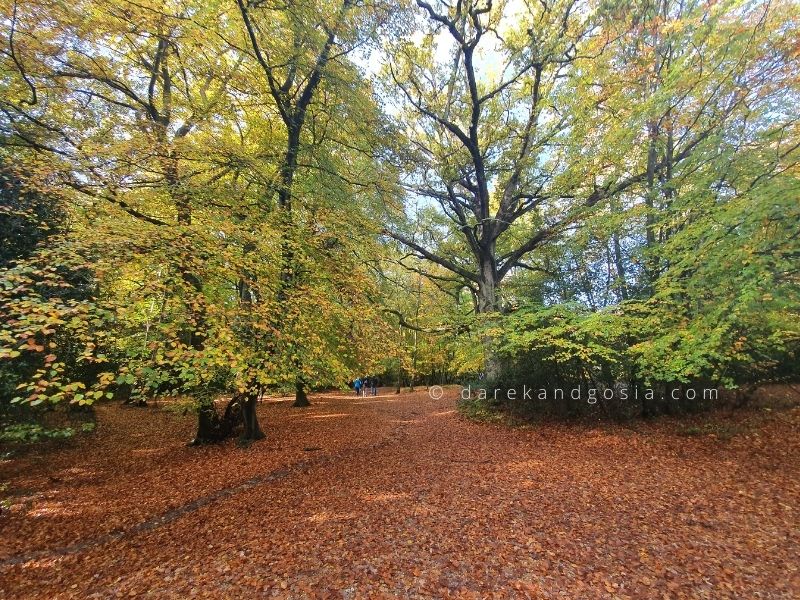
[{"x": 399, "y": 497}]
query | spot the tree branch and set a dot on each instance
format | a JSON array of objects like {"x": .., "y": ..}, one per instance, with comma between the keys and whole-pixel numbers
[{"x": 425, "y": 253}]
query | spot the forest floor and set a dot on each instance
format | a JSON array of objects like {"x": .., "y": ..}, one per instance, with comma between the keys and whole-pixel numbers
[{"x": 398, "y": 496}]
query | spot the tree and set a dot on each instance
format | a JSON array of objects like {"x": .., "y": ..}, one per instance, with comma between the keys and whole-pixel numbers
[
  {"x": 527, "y": 128},
  {"x": 226, "y": 251},
  {"x": 294, "y": 74},
  {"x": 115, "y": 99}
]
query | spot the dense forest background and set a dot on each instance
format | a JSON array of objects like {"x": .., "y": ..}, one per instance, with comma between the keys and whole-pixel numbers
[{"x": 214, "y": 200}]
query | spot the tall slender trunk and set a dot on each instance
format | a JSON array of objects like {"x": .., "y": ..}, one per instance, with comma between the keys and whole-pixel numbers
[
  {"x": 288, "y": 259},
  {"x": 413, "y": 374},
  {"x": 399, "y": 360},
  {"x": 620, "y": 266},
  {"x": 651, "y": 264},
  {"x": 293, "y": 108},
  {"x": 193, "y": 335}
]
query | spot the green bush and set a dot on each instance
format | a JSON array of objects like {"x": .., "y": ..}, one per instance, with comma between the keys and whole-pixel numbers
[{"x": 32, "y": 432}]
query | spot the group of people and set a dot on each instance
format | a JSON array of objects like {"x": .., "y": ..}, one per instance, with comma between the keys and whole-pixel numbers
[{"x": 366, "y": 386}]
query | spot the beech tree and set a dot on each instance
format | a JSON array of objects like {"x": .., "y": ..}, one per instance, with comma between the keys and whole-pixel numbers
[
  {"x": 163, "y": 142},
  {"x": 528, "y": 118},
  {"x": 116, "y": 98},
  {"x": 296, "y": 72}
]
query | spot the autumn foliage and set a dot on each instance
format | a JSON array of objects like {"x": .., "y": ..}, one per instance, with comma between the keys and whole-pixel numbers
[{"x": 212, "y": 209}]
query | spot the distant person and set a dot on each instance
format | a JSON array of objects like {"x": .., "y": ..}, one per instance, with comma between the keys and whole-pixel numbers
[
  {"x": 357, "y": 386},
  {"x": 366, "y": 385},
  {"x": 374, "y": 385}
]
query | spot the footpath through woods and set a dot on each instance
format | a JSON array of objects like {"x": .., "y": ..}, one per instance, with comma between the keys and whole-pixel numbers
[{"x": 398, "y": 496}]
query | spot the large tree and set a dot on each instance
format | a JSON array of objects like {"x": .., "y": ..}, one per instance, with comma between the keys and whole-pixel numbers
[
  {"x": 529, "y": 118},
  {"x": 226, "y": 215},
  {"x": 122, "y": 100},
  {"x": 306, "y": 74}
]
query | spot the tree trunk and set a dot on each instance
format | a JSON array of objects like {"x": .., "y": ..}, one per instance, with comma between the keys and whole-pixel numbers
[
  {"x": 486, "y": 304},
  {"x": 487, "y": 287},
  {"x": 493, "y": 366},
  {"x": 620, "y": 266},
  {"x": 399, "y": 360},
  {"x": 207, "y": 425},
  {"x": 252, "y": 430},
  {"x": 413, "y": 374},
  {"x": 651, "y": 262},
  {"x": 208, "y": 422},
  {"x": 300, "y": 397},
  {"x": 248, "y": 402}
]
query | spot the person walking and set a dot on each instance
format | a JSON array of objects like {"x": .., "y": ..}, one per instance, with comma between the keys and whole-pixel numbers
[
  {"x": 357, "y": 386},
  {"x": 373, "y": 385}
]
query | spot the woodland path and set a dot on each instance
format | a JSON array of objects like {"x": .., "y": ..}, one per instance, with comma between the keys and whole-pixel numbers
[{"x": 398, "y": 496}]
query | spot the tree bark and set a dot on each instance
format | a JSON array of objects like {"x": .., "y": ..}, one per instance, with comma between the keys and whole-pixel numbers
[
  {"x": 487, "y": 304},
  {"x": 252, "y": 430},
  {"x": 208, "y": 425},
  {"x": 620, "y": 266},
  {"x": 300, "y": 396}
]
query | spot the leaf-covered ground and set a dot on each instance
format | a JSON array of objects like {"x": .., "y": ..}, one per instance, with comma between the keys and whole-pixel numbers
[{"x": 397, "y": 496}]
